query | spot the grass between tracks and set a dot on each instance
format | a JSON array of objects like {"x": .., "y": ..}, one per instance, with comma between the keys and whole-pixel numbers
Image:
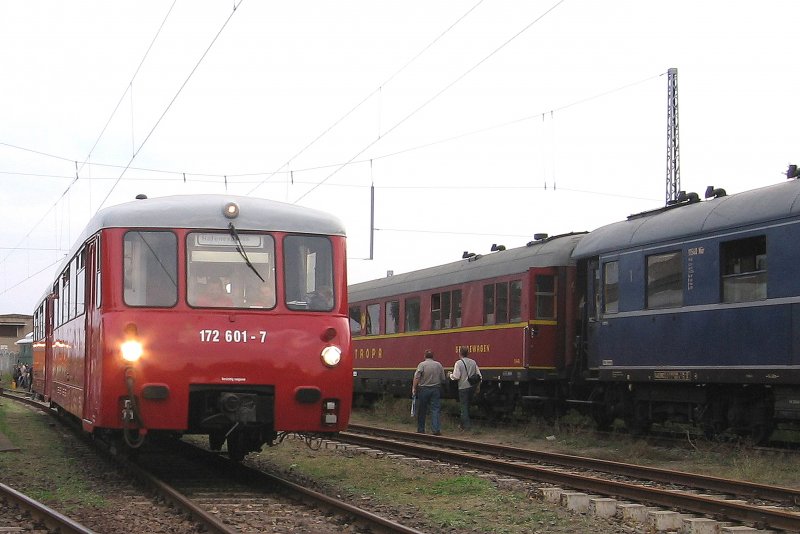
[
  {"x": 45, "y": 468},
  {"x": 573, "y": 434},
  {"x": 446, "y": 499}
]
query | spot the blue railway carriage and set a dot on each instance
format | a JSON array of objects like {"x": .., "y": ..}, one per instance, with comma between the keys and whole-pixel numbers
[{"x": 693, "y": 313}]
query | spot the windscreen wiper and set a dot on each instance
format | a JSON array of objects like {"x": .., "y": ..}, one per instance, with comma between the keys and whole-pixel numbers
[{"x": 242, "y": 252}]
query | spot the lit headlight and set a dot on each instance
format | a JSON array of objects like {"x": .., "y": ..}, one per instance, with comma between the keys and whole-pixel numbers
[
  {"x": 131, "y": 350},
  {"x": 331, "y": 356}
]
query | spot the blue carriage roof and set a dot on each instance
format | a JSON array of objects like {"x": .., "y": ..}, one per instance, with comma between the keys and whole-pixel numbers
[
  {"x": 771, "y": 203},
  {"x": 554, "y": 251}
]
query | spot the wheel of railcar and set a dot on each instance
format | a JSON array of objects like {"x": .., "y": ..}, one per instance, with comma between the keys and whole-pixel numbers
[
  {"x": 638, "y": 421},
  {"x": 236, "y": 448},
  {"x": 760, "y": 432},
  {"x": 602, "y": 416},
  {"x": 215, "y": 440}
]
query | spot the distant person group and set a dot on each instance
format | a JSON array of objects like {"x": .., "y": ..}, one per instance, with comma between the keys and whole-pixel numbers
[
  {"x": 22, "y": 376},
  {"x": 426, "y": 387}
]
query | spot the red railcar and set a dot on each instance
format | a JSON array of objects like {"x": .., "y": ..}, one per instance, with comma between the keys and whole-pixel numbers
[
  {"x": 200, "y": 314},
  {"x": 515, "y": 309}
]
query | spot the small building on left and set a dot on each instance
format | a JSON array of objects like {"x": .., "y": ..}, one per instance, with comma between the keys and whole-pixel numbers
[{"x": 15, "y": 341}]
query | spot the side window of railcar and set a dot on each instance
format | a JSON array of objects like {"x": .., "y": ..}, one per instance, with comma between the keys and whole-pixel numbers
[
  {"x": 308, "y": 262},
  {"x": 412, "y": 317},
  {"x": 744, "y": 269},
  {"x": 56, "y": 303},
  {"x": 64, "y": 317},
  {"x": 392, "y": 321},
  {"x": 223, "y": 274},
  {"x": 446, "y": 310},
  {"x": 499, "y": 303},
  {"x": 488, "y": 304},
  {"x": 73, "y": 288},
  {"x": 545, "y": 296},
  {"x": 665, "y": 280},
  {"x": 150, "y": 268},
  {"x": 373, "y": 319},
  {"x": 98, "y": 279},
  {"x": 515, "y": 302},
  {"x": 355, "y": 320},
  {"x": 80, "y": 283},
  {"x": 611, "y": 287}
]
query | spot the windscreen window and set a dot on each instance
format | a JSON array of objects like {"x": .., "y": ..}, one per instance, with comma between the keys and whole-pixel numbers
[
  {"x": 230, "y": 270},
  {"x": 150, "y": 265},
  {"x": 308, "y": 265}
]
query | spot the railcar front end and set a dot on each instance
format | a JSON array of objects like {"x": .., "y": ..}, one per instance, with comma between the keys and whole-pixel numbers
[{"x": 205, "y": 315}]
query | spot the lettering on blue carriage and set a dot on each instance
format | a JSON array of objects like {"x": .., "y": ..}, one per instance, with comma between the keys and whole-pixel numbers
[{"x": 681, "y": 376}]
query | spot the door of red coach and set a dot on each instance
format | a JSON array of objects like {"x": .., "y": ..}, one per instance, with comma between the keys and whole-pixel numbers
[{"x": 542, "y": 329}]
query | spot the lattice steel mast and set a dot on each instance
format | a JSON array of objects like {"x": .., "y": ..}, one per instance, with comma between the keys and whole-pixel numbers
[{"x": 673, "y": 151}]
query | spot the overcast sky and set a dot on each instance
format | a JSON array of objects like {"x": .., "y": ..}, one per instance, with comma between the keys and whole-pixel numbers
[{"x": 478, "y": 122}]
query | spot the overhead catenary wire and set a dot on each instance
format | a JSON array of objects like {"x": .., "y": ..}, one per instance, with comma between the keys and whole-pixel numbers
[
  {"x": 434, "y": 97},
  {"x": 377, "y": 90},
  {"x": 236, "y": 5},
  {"x": 100, "y": 136},
  {"x": 171, "y": 102},
  {"x": 181, "y": 175}
]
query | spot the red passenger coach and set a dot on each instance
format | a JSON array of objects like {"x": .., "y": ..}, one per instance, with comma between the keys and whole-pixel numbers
[
  {"x": 514, "y": 309},
  {"x": 200, "y": 314}
]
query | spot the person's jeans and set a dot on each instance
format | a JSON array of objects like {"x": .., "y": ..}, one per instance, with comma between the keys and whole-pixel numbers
[
  {"x": 464, "y": 398},
  {"x": 428, "y": 397}
]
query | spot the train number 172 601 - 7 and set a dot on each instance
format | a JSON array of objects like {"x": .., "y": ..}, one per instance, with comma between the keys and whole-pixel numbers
[{"x": 233, "y": 336}]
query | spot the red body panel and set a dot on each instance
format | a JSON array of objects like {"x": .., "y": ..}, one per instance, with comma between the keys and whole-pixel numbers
[
  {"x": 523, "y": 350},
  {"x": 79, "y": 367},
  {"x": 175, "y": 356}
]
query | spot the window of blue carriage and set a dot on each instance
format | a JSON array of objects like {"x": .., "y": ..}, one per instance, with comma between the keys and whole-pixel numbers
[
  {"x": 665, "y": 280},
  {"x": 611, "y": 287},
  {"x": 150, "y": 268},
  {"x": 744, "y": 269},
  {"x": 308, "y": 272}
]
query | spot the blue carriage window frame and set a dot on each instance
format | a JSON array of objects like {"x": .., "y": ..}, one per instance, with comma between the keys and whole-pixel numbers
[
  {"x": 665, "y": 280},
  {"x": 744, "y": 269},
  {"x": 611, "y": 287}
]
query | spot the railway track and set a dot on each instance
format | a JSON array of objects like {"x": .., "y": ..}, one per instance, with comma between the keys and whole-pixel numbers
[
  {"x": 757, "y": 504},
  {"x": 231, "y": 498},
  {"x": 40, "y": 515},
  {"x": 227, "y": 497}
]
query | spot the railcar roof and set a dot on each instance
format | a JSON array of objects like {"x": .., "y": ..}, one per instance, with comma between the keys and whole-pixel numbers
[
  {"x": 205, "y": 212},
  {"x": 552, "y": 252},
  {"x": 771, "y": 203}
]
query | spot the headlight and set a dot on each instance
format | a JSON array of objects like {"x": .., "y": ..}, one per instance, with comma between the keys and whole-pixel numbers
[
  {"x": 131, "y": 350},
  {"x": 331, "y": 356}
]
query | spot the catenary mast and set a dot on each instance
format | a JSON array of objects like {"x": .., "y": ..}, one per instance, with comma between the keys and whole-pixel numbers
[{"x": 673, "y": 151}]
